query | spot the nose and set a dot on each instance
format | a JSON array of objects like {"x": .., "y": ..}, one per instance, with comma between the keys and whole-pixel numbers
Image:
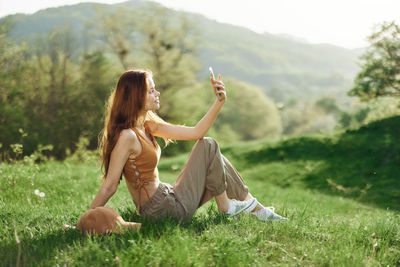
[{"x": 157, "y": 93}]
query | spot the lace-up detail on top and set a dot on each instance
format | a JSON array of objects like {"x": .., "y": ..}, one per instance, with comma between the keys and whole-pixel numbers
[{"x": 142, "y": 170}]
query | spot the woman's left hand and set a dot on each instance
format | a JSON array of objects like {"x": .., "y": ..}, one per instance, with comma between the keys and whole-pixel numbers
[{"x": 219, "y": 88}]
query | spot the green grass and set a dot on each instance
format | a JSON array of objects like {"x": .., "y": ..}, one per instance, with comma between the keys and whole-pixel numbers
[{"x": 335, "y": 222}]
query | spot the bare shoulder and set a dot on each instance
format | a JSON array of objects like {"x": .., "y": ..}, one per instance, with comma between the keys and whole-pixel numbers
[{"x": 129, "y": 140}]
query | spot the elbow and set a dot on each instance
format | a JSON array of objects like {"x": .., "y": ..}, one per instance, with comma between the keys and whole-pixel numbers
[
  {"x": 198, "y": 134},
  {"x": 109, "y": 191},
  {"x": 113, "y": 190}
]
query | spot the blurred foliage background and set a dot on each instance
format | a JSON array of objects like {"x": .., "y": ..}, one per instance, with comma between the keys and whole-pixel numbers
[{"x": 58, "y": 66}]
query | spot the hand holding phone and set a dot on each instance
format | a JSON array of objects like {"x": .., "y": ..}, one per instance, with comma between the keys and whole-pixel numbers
[{"x": 219, "y": 95}]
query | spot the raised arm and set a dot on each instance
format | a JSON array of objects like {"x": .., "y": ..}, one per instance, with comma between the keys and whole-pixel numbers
[
  {"x": 126, "y": 144},
  {"x": 178, "y": 132}
]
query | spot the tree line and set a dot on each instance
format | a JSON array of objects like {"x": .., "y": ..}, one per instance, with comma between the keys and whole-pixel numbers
[
  {"x": 53, "y": 88},
  {"x": 53, "y": 91}
]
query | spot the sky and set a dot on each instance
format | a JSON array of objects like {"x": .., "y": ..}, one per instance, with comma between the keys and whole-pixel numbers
[{"x": 345, "y": 23}]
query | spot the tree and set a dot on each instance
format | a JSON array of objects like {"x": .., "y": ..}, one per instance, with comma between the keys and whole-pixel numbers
[
  {"x": 158, "y": 39},
  {"x": 380, "y": 74},
  {"x": 169, "y": 47},
  {"x": 117, "y": 29},
  {"x": 12, "y": 69},
  {"x": 95, "y": 86},
  {"x": 51, "y": 95},
  {"x": 248, "y": 112}
]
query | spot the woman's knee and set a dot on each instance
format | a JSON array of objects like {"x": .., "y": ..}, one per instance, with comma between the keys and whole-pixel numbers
[
  {"x": 206, "y": 148},
  {"x": 208, "y": 140}
]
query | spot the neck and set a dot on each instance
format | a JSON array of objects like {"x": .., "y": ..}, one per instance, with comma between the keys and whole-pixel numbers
[{"x": 141, "y": 119}]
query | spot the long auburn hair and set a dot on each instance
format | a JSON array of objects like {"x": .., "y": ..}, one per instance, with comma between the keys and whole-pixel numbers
[{"x": 125, "y": 103}]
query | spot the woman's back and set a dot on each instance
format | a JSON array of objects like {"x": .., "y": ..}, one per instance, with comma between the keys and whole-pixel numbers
[{"x": 141, "y": 170}]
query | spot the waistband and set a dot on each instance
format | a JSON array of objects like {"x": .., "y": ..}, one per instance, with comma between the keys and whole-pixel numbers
[{"x": 163, "y": 190}]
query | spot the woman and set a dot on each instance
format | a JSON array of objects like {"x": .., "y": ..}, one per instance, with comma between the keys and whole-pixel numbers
[{"x": 129, "y": 148}]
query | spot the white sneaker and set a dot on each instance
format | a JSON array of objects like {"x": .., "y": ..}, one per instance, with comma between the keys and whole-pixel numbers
[
  {"x": 267, "y": 214},
  {"x": 236, "y": 206}
]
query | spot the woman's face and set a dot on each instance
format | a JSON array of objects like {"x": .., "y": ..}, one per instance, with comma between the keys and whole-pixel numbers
[{"x": 152, "y": 100}]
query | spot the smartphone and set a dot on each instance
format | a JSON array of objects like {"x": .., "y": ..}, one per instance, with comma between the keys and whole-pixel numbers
[{"x": 212, "y": 76}]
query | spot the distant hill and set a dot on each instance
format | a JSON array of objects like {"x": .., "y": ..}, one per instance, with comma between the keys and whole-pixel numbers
[
  {"x": 283, "y": 67},
  {"x": 291, "y": 37}
]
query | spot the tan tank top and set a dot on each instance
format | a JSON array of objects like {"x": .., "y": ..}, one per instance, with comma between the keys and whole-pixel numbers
[{"x": 142, "y": 170}]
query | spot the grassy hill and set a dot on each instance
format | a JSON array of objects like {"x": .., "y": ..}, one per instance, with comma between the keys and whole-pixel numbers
[
  {"x": 281, "y": 66},
  {"x": 362, "y": 164},
  {"x": 340, "y": 192}
]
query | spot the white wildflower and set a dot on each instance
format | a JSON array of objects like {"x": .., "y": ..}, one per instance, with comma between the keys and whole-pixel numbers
[{"x": 38, "y": 193}]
